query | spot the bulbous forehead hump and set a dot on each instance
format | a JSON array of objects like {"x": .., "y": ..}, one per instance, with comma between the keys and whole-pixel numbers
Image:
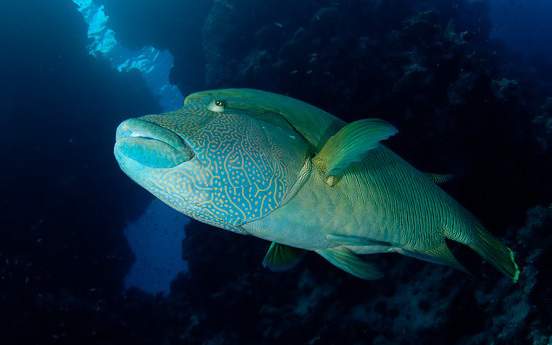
[{"x": 185, "y": 121}]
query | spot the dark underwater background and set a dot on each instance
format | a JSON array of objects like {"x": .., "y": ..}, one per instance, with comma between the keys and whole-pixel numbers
[{"x": 86, "y": 256}]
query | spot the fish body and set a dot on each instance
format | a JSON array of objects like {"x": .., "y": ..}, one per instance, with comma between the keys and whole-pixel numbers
[
  {"x": 280, "y": 169},
  {"x": 382, "y": 198}
]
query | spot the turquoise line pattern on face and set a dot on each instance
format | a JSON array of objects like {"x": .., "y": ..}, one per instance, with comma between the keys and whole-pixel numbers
[{"x": 237, "y": 176}]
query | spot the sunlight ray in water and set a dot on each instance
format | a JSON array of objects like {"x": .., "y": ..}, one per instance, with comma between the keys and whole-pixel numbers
[
  {"x": 155, "y": 65},
  {"x": 156, "y": 236}
]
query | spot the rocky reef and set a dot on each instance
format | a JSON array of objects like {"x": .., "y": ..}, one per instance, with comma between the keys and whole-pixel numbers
[{"x": 461, "y": 103}]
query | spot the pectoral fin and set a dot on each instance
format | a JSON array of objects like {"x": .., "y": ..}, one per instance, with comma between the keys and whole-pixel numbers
[
  {"x": 280, "y": 257},
  {"x": 350, "y": 145},
  {"x": 349, "y": 262},
  {"x": 440, "y": 179}
]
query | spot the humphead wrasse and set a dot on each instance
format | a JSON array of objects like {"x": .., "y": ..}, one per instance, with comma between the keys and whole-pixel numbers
[{"x": 271, "y": 166}]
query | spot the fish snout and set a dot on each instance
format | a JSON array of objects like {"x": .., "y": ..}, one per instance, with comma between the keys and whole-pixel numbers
[{"x": 150, "y": 144}]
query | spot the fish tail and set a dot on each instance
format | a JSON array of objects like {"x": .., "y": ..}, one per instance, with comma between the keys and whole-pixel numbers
[{"x": 495, "y": 252}]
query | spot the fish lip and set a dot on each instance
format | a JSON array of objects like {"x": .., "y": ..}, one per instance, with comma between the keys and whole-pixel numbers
[{"x": 146, "y": 130}]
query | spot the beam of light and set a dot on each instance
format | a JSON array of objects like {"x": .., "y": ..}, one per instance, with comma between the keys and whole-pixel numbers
[
  {"x": 156, "y": 237},
  {"x": 154, "y": 64}
]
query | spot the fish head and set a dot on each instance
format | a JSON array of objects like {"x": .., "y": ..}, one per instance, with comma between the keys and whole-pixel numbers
[{"x": 220, "y": 166}]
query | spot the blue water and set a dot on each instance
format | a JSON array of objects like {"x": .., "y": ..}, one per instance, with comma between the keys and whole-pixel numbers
[
  {"x": 524, "y": 25},
  {"x": 154, "y": 64},
  {"x": 156, "y": 240}
]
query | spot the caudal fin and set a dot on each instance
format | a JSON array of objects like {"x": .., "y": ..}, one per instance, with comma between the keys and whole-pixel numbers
[{"x": 496, "y": 253}]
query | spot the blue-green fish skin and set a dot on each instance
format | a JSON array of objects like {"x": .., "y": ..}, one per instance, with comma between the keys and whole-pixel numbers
[
  {"x": 241, "y": 168},
  {"x": 255, "y": 163}
]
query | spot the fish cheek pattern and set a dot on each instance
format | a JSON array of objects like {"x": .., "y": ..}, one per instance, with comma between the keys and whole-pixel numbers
[
  {"x": 188, "y": 189},
  {"x": 247, "y": 170},
  {"x": 237, "y": 176}
]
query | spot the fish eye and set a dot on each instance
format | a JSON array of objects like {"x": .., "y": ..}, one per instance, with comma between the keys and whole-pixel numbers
[{"x": 217, "y": 106}]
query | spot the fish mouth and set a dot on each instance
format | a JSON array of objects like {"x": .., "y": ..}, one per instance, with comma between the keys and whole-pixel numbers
[{"x": 150, "y": 144}]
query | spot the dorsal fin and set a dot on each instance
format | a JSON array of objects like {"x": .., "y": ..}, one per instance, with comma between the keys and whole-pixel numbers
[{"x": 440, "y": 178}]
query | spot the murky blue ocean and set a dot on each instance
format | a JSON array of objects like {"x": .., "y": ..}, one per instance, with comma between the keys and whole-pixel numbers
[{"x": 233, "y": 219}]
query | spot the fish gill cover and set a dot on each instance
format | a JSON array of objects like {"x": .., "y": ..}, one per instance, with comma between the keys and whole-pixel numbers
[{"x": 464, "y": 103}]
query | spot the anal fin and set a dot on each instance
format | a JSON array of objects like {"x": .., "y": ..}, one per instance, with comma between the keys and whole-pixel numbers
[
  {"x": 349, "y": 262},
  {"x": 438, "y": 255}
]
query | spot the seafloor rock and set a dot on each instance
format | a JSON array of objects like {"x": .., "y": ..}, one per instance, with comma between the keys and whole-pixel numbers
[
  {"x": 543, "y": 125},
  {"x": 233, "y": 29},
  {"x": 460, "y": 90},
  {"x": 505, "y": 89},
  {"x": 520, "y": 314}
]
